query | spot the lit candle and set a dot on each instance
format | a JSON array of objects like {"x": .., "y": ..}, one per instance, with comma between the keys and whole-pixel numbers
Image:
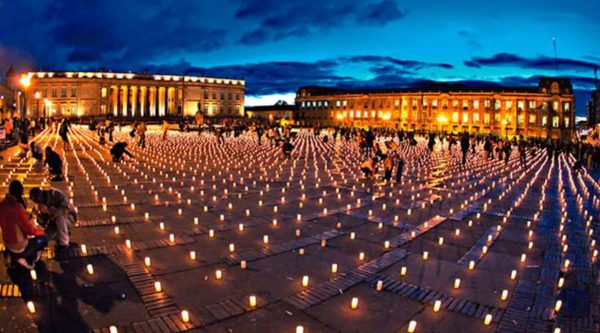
[
  {"x": 403, "y": 270},
  {"x": 218, "y": 274},
  {"x": 456, "y": 283},
  {"x": 412, "y": 326},
  {"x": 379, "y": 285},
  {"x": 299, "y": 329},
  {"x": 266, "y": 239},
  {"x": 31, "y": 307},
  {"x": 334, "y": 268},
  {"x": 147, "y": 261},
  {"x": 193, "y": 255},
  {"x": 211, "y": 233},
  {"x": 305, "y": 281},
  {"x": 513, "y": 274},
  {"x": 84, "y": 249},
  {"x": 113, "y": 329},
  {"x": 561, "y": 282},
  {"x": 252, "y": 301},
  {"x": 157, "y": 286},
  {"x": 354, "y": 303},
  {"x": 172, "y": 238},
  {"x": 558, "y": 305},
  {"x": 488, "y": 319},
  {"x": 301, "y": 251},
  {"x": 361, "y": 256},
  {"x": 243, "y": 264},
  {"x": 185, "y": 316},
  {"x": 425, "y": 255},
  {"x": 504, "y": 295},
  {"x": 33, "y": 274},
  {"x": 437, "y": 305},
  {"x": 128, "y": 243}
]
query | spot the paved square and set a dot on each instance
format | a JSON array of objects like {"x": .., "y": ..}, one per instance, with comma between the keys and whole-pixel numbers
[{"x": 474, "y": 248}]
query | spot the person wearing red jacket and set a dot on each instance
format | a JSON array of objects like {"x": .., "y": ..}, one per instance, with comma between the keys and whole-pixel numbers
[{"x": 16, "y": 229}]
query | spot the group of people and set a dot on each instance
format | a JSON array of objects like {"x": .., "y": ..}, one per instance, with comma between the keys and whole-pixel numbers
[
  {"x": 391, "y": 159},
  {"x": 23, "y": 240}
]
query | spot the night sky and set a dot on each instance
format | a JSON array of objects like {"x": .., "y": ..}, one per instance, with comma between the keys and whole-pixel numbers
[{"x": 277, "y": 45}]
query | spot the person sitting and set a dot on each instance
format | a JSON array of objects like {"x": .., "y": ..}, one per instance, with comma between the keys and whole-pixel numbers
[
  {"x": 118, "y": 150},
  {"x": 16, "y": 228},
  {"x": 54, "y": 213},
  {"x": 54, "y": 164}
]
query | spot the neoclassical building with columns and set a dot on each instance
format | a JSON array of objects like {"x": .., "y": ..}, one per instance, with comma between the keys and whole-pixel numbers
[
  {"x": 128, "y": 95},
  {"x": 543, "y": 111}
]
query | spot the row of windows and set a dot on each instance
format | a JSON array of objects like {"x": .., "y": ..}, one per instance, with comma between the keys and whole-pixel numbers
[
  {"x": 64, "y": 92},
  {"x": 487, "y": 103},
  {"x": 475, "y": 118},
  {"x": 229, "y": 95}
]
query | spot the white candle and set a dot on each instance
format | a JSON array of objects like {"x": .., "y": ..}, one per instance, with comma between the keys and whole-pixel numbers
[
  {"x": 305, "y": 281},
  {"x": 252, "y": 301},
  {"x": 147, "y": 261},
  {"x": 437, "y": 305},
  {"x": 157, "y": 286},
  {"x": 218, "y": 274},
  {"x": 185, "y": 316},
  {"x": 456, "y": 283},
  {"x": 193, "y": 255},
  {"x": 354, "y": 303},
  {"x": 31, "y": 307},
  {"x": 488, "y": 319},
  {"x": 412, "y": 326}
]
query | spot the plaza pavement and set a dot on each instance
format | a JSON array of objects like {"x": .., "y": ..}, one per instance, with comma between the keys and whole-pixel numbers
[{"x": 484, "y": 248}]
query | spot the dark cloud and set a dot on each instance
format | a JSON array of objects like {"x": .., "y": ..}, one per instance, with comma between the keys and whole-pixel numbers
[
  {"x": 537, "y": 63},
  {"x": 407, "y": 64},
  {"x": 282, "y": 19}
]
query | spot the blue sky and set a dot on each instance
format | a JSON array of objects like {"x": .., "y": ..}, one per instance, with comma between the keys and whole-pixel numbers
[{"x": 277, "y": 46}]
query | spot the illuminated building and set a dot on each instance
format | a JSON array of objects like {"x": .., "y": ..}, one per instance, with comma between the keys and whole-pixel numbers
[
  {"x": 128, "y": 95},
  {"x": 543, "y": 111},
  {"x": 282, "y": 114}
]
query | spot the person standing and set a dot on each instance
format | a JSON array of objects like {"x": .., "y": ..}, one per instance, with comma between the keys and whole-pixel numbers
[
  {"x": 165, "y": 130},
  {"x": 522, "y": 153},
  {"x": 55, "y": 213},
  {"x": 63, "y": 132},
  {"x": 464, "y": 147},
  {"x": 16, "y": 229},
  {"x": 141, "y": 130}
]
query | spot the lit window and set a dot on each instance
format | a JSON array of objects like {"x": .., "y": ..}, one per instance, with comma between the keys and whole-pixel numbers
[
  {"x": 497, "y": 117},
  {"x": 455, "y": 103},
  {"x": 567, "y": 107},
  {"x": 345, "y": 103},
  {"x": 476, "y": 117},
  {"x": 497, "y": 105},
  {"x": 509, "y": 105},
  {"x": 337, "y": 104},
  {"x": 532, "y": 104},
  {"x": 555, "y": 122},
  {"x": 455, "y": 117},
  {"x": 476, "y": 104},
  {"x": 486, "y": 118},
  {"x": 103, "y": 92},
  {"x": 487, "y": 103},
  {"x": 465, "y": 118},
  {"x": 465, "y": 104},
  {"x": 414, "y": 103},
  {"x": 63, "y": 92},
  {"x": 567, "y": 122},
  {"x": 520, "y": 105},
  {"x": 434, "y": 103},
  {"x": 397, "y": 103},
  {"x": 532, "y": 119},
  {"x": 544, "y": 121},
  {"x": 520, "y": 119},
  {"x": 555, "y": 106}
]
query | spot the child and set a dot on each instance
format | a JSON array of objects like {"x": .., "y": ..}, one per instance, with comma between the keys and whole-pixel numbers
[{"x": 368, "y": 167}]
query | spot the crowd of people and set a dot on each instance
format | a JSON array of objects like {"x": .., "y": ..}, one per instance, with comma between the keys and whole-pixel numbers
[{"x": 383, "y": 152}]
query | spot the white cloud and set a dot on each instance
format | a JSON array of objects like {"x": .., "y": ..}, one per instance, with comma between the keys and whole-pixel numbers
[{"x": 269, "y": 99}]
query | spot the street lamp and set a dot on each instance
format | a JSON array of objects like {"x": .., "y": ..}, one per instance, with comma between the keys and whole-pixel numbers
[{"x": 25, "y": 81}]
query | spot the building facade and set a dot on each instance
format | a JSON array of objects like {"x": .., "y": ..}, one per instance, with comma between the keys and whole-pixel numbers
[
  {"x": 282, "y": 114},
  {"x": 82, "y": 94},
  {"x": 543, "y": 111}
]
